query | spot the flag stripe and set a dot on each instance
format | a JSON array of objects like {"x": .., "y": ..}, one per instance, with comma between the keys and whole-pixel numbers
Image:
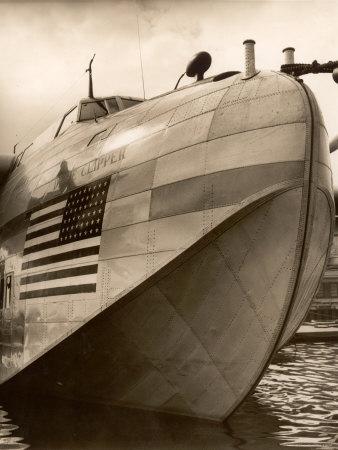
[
  {"x": 79, "y": 253},
  {"x": 43, "y": 231},
  {"x": 91, "y": 259},
  {"x": 64, "y": 298},
  {"x": 45, "y": 210},
  {"x": 41, "y": 239},
  {"x": 72, "y": 281},
  {"x": 62, "y": 244},
  {"x": 61, "y": 290},
  {"x": 43, "y": 225},
  {"x": 64, "y": 273},
  {"x": 47, "y": 216},
  {"x": 41, "y": 246},
  {"x": 49, "y": 202},
  {"x": 89, "y": 242}
]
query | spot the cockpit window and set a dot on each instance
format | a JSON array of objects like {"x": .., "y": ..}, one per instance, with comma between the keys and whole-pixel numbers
[
  {"x": 112, "y": 105},
  {"x": 128, "y": 103},
  {"x": 92, "y": 110},
  {"x": 68, "y": 119}
]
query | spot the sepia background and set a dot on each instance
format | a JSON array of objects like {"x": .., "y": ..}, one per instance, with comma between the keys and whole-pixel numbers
[{"x": 46, "y": 46}]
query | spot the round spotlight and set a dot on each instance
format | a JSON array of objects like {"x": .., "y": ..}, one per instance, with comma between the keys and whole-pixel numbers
[
  {"x": 335, "y": 75},
  {"x": 198, "y": 65}
]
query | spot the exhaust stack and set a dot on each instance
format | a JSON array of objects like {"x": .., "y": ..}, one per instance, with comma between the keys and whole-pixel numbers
[
  {"x": 289, "y": 55},
  {"x": 250, "y": 68}
]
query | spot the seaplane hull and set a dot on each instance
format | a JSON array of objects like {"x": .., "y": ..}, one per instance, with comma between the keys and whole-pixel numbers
[{"x": 213, "y": 224}]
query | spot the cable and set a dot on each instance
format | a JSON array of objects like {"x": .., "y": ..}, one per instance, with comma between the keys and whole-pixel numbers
[
  {"x": 58, "y": 99},
  {"x": 139, "y": 47}
]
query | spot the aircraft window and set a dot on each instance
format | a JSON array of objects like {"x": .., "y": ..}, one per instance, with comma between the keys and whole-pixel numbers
[
  {"x": 7, "y": 297},
  {"x": 92, "y": 110},
  {"x": 68, "y": 119},
  {"x": 98, "y": 137},
  {"x": 128, "y": 103},
  {"x": 112, "y": 105}
]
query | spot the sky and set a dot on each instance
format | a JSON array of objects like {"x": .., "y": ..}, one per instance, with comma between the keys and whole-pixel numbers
[{"x": 46, "y": 46}]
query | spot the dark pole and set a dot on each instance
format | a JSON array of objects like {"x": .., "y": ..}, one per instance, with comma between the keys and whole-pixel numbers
[{"x": 90, "y": 91}]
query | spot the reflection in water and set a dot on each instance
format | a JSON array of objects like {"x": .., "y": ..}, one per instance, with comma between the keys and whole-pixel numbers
[
  {"x": 301, "y": 390},
  {"x": 295, "y": 405},
  {"x": 8, "y": 440}
]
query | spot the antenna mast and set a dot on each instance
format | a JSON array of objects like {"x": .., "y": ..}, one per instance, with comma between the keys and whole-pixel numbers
[
  {"x": 90, "y": 89},
  {"x": 139, "y": 48}
]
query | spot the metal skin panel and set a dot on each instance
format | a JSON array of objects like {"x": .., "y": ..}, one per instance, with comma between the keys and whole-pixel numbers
[
  {"x": 289, "y": 145},
  {"x": 314, "y": 265},
  {"x": 249, "y": 90},
  {"x": 180, "y": 165},
  {"x": 119, "y": 274},
  {"x": 73, "y": 154},
  {"x": 320, "y": 223},
  {"x": 127, "y": 210},
  {"x": 183, "y": 96},
  {"x": 55, "y": 331},
  {"x": 91, "y": 296},
  {"x": 35, "y": 334},
  {"x": 14, "y": 202},
  {"x": 123, "y": 137},
  {"x": 166, "y": 328},
  {"x": 57, "y": 312},
  {"x": 267, "y": 85},
  {"x": 143, "y": 150},
  {"x": 35, "y": 313},
  {"x": 197, "y": 107},
  {"x": 27, "y": 170},
  {"x": 209, "y": 157},
  {"x": 166, "y": 238},
  {"x": 233, "y": 93},
  {"x": 125, "y": 241},
  {"x": 324, "y": 157},
  {"x": 258, "y": 112},
  {"x": 184, "y": 134},
  {"x": 78, "y": 311},
  {"x": 133, "y": 180},
  {"x": 324, "y": 178},
  {"x": 132, "y": 117},
  {"x": 64, "y": 148},
  {"x": 220, "y": 188},
  {"x": 204, "y": 182}
]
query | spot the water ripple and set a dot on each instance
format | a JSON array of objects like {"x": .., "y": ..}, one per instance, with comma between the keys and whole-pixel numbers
[
  {"x": 294, "y": 406},
  {"x": 8, "y": 434},
  {"x": 300, "y": 390}
]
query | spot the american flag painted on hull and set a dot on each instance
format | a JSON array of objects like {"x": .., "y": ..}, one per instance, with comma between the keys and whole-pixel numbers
[{"x": 62, "y": 244}]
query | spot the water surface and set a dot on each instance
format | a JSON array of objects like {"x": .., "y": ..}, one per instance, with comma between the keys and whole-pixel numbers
[{"x": 294, "y": 406}]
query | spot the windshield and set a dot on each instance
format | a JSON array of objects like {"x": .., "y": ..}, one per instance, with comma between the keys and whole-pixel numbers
[
  {"x": 92, "y": 109},
  {"x": 128, "y": 102},
  {"x": 112, "y": 105},
  {"x": 68, "y": 119}
]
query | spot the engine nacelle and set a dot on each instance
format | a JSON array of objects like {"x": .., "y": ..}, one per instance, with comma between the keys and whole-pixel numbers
[{"x": 334, "y": 144}]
